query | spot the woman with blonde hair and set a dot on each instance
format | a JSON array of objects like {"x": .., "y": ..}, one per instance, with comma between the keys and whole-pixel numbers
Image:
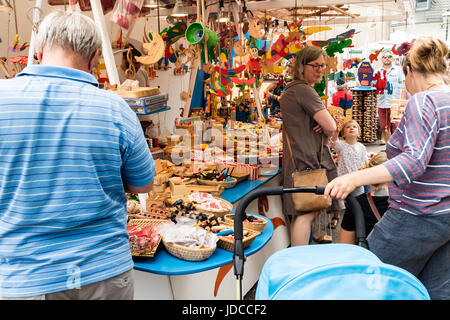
[
  {"x": 414, "y": 233},
  {"x": 373, "y": 204},
  {"x": 306, "y": 126}
]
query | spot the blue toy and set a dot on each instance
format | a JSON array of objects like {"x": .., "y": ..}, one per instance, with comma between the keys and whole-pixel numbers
[{"x": 345, "y": 104}]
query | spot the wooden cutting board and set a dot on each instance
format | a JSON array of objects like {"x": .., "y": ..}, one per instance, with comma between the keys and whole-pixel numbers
[{"x": 138, "y": 92}]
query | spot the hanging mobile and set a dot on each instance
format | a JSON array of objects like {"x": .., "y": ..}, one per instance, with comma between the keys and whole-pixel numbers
[{"x": 16, "y": 47}]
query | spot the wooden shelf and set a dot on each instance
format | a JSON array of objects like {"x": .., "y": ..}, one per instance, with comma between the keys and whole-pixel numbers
[{"x": 145, "y": 116}]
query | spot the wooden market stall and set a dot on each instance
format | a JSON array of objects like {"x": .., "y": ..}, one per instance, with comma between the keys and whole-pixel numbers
[{"x": 204, "y": 113}]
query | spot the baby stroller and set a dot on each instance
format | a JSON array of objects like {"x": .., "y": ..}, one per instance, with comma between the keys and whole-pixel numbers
[{"x": 325, "y": 271}]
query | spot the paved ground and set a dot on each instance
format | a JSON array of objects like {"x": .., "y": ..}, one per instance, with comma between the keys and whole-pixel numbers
[{"x": 321, "y": 223}]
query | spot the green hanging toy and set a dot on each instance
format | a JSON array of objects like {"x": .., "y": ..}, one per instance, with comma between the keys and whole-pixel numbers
[
  {"x": 320, "y": 87},
  {"x": 338, "y": 46}
]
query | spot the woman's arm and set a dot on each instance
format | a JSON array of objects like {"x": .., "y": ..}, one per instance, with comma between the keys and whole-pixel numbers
[
  {"x": 340, "y": 187},
  {"x": 325, "y": 121}
]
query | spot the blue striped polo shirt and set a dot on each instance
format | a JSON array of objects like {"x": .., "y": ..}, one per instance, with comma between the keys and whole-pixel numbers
[
  {"x": 419, "y": 156},
  {"x": 66, "y": 149}
]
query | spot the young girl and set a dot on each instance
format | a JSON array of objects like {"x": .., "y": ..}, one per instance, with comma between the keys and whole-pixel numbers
[
  {"x": 379, "y": 193},
  {"x": 351, "y": 156}
]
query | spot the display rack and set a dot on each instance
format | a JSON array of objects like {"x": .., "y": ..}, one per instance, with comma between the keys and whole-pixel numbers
[{"x": 364, "y": 111}]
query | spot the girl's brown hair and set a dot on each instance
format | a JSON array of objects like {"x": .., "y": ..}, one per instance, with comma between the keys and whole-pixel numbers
[{"x": 376, "y": 160}]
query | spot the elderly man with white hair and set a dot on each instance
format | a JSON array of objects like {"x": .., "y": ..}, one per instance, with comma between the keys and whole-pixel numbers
[{"x": 69, "y": 151}]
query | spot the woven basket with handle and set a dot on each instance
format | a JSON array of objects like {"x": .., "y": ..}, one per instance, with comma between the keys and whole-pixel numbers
[
  {"x": 187, "y": 253},
  {"x": 227, "y": 242},
  {"x": 249, "y": 225}
]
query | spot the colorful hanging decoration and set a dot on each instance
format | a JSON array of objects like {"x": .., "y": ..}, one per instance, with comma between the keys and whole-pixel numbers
[
  {"x": 403, "y": 49},
  {"x": 256, "y": 29},
  {"x": 311, "y": 30},
  {"x": 335, "y": 47},
  {"x": 379, "y": 82},
  {"x": 254, "y": 63},
  {"x": 296, "y": 26},
  {"x": 350, "y": 63},
  {"x": 335, "y": 76},
  {"x": 171, "y": 35},
  {"x": 342, "y": 36},
  {"x": 155, "y": 49},
  {"x": 374, "y": 56},
  {"x": 349, "y": 76},
  {"x": 331, "y": 64},
  {"x": 320, "y": 88},
  {"x": 345, "y": 104},
  {"x": 16, "y": 46}
]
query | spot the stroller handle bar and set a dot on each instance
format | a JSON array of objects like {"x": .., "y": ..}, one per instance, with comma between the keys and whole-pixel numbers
[{"x": 240, "y": 216}]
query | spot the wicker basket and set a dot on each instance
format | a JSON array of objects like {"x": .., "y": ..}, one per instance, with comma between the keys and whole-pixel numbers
[
  {"x": 228, "y": 244},
  {"x": 241, "y": 176},
  {"x": 142, "y": 223},
  {"x": 249, "y": 225},
  {"x": 188, "y": 254},
  {"x": 218, "y": 214},
  {"x": 225, "y": 184}
]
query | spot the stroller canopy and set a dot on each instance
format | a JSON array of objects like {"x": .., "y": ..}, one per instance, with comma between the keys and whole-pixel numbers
[{"x": 335, "y": 272}]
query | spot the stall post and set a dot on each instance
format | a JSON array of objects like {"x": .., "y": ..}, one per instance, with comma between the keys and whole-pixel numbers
[
  {"x": 99, "y": 19},
  {"x": 36, "y": 17}
]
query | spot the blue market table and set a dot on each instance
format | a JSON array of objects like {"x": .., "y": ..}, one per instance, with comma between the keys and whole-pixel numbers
[
  {"x": 166, "y": 264},
  {"x": 235, "y": 194},
  {"x": 167, "y": 277}
]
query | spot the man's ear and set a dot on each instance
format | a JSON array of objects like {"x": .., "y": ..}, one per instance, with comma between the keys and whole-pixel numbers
[
  {"x": 39, "y": 53},
  {"x": 93, "y": 60}
]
